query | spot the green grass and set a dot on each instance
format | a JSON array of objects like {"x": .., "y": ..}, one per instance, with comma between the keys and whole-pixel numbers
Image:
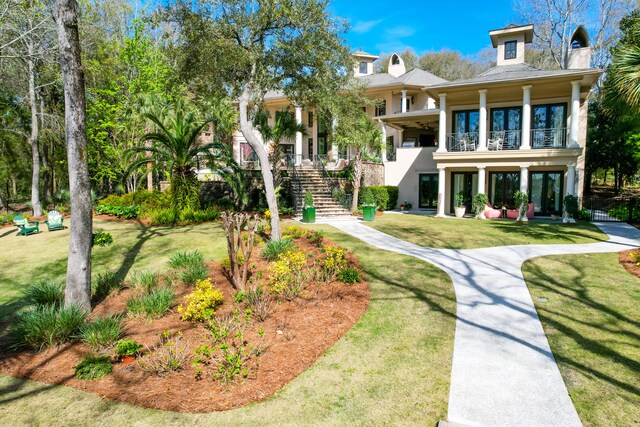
[
  {"x": 466, "y": 233},
  {"x": 392, "y": 367},
  {"x": 588, "y": 305},
  {"x": 151, "y": 305}
]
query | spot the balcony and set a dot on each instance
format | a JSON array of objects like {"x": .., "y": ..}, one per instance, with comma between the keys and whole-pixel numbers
[
  {"x": 508, "y": 140},
  {"x": 549, "y": 138},
  {"x": 467, "y": 141}
]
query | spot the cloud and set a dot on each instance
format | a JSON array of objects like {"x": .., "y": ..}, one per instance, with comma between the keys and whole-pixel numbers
[
  {"x": 362, "y": 27},
  {"x": 400, "y": 31}
]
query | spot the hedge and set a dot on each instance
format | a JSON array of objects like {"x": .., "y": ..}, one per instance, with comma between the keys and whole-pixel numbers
[{"x": 386, "y": 196}]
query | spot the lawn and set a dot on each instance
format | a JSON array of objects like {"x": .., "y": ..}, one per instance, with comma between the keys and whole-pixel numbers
[
  {"x": 588, "y": 305},
  {"x": 392, "y": 367},
  {"x": 466, "y": 233}
]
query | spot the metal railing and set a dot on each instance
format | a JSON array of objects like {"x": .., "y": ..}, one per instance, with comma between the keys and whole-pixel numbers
[
  {"x": 296, "y": 183},
  {"x": 333, "y": 184},
  {"x": 467, "y": 141},
  {"x": 391, "y": 154},
  {"x": 504, "y": 139},
  {"x": 549, "y": 138}
]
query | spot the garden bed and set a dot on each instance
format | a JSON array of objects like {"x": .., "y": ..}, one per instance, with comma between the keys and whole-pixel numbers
[
  {"x": 629, "y": 260},
  {"x": 292, "y": 338}
]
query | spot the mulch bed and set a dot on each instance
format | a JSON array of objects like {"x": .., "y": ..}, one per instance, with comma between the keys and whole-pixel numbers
[
  {"x": 296, "y": 333},
  {"x": 629, "y": 262}
]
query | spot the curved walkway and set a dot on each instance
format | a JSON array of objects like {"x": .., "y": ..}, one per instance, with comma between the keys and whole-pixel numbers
[{"x": 503, "y": 371}]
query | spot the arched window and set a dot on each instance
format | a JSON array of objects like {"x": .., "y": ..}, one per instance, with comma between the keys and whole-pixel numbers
[
  {"x": 395, "y": 59},
  {"x": 580, "y": 38}
]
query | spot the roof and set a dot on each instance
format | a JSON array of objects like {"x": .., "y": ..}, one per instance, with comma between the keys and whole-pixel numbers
[
  {"x": 415, "y": 77},
  {"x": 362, "y": 54},
  {"x": 527, "y": 30}
]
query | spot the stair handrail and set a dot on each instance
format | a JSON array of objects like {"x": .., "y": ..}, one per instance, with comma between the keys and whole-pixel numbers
[
  {"x": 332, "y": 183},
  {"x": 296, "y": 183}
]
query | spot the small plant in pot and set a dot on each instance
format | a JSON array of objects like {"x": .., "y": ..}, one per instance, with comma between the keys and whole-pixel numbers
[
  {"x": 127, "y": 351},
  {"x": 369, "y": 205},
  {"x": 460, "y": 208},
  {"x": 521, "y": 200},
  {"x": 571, "y": 210},
  {"x": 308, "y": 209},
  {"x": 479, "y": 205}
]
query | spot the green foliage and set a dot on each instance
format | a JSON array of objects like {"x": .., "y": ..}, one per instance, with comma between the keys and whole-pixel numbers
[
  {"x": 232, "y": 362},
  {"x": 570, "y": 203},
  {"x": 367, "y": 197},
  {"x": 106, "y": 283},
  {"x": 192, "y": 273},
  {"x": 584, "y": 214},
  {"x": 6, "y": 218},
  {"x": 169, "y": 216},
  {"x": 152, "y": 305},
  {"x": 316, "y": 237},
  {"x": 308, "y": 200},
  {"x": 333, "y": 262},
  {"x": 120, "y": 211},
  {"x": 346, "y": 173},
  {"x": 273, "y": 248},
  {"x": 169, "y": 355},
  {"x": 287, "y": 274},
  {"x": 93, "y": 367},
  {"x": 201, "y": 303},
  {"x": 127, "y": 348},
  {"x": 349, "y": 275},
  {"x": 183, "y": 259},
  {"x": 459, "y": 199},
  {"x": 385, "y": 196},
  {"x": 47, "y": 326},
  {"x": 146, "y": 281},
  {"x": 294, "y": 232},
  {"x": 480, "y": 201},
  {"x": 102, "y": 331},
  {"x": 101, "y": 238},
  {"x": 44, "y": 293},
  {"x": 259, "y": 302}
]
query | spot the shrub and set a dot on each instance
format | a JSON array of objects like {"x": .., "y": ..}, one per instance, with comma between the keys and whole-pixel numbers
[
  {"x": 146, "y": 281},
  {"x": 226, "y": 326},
  {"x": 152, "y": 305},
  {"x": 315, "y": 237},
  {"x": 120, "y": 211},
  {"x": 334, "y": 261},
  {"x": 44, "y": 293},
  {"x": 479, "y": 203},
  {"x": 393, "y": 192},
  {"x": 349, "y": 275},
  {"x": 367, "y": 197},
  {"x": 161, "y": 216},
  {"x": 273, "y": 248},
  {"x": 570, "y": 203},
  {"x": 339, "y": 195},
  {"x": 385, "y": 197},
  {"x": 232, "y": 363},
  {"x": 47, "y": 326},
  {"x": 259, "y": 302},
  {"x": 127, "y": 348},
  {"x": 287, "y": 276},
  {"x": 101, "y": 238},
  {"x": 169, "y": 355},
  {"x": 584, "y": 214},
  {"x": 193, "y": 273},
  {"x": 93, "y": 367},
  {"x": 6, "y": 218},
  {"x": 105, "y": 284},
  {"x": 201, "y": 303},
  {"x": 308, "y": 200},
  {"x": 184, "y": 259},
  {"x": 381, "y": 197},
  {"x": 294, "y": 232},
  {"x": 102, "y": 332}
]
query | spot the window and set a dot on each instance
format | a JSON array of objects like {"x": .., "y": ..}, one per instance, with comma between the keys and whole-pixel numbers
[
  {"x": 510, "y": 49},
  {"x": 503, "y": 186},
  {"x": 466, "y": 121},
  {"x": 548, "y": 123},
  {"x": 381, "y": 108},
  {"x": 507, "y": 122},
  {"x": 408, "y": 104},
  {"x": 395, "y": 59},
  {"x": 310, "y": 119},
  {"x": 426, "y": 140},
  {"x": 363, "y": 68}
]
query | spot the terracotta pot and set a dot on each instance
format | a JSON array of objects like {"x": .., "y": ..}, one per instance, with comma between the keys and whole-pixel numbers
[{"x": 127, "y": 360}]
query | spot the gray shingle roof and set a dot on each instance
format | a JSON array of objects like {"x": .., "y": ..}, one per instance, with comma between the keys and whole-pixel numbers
[{"x": 415, "y": 77}]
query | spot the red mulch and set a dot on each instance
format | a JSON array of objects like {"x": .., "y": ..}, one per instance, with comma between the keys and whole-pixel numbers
[
  {"x": 297, "y": 334},
  {"x": 627, "y": 260}
]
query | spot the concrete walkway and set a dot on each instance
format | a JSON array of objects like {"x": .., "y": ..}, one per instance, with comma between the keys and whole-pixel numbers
[{"x": 503, "y": 371}]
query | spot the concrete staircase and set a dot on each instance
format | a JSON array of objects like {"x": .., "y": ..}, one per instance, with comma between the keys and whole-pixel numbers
[{"x": 312, "y": 180}]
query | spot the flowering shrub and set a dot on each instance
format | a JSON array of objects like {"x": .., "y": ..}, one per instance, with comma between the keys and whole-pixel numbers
[
  {"x": 333, "y": 262},
  {"x": 287, "y": 275},
  {"x": 202, "y": 302},
  {"x": 294, "y": 232}
]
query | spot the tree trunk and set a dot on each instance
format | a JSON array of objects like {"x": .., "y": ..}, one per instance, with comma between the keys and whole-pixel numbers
[
  {"x": 78, "y": 289},
  {"x": 357, "y": 177},
  {"x": 33, "y": 139},
  {"x": 47, "y": 165},
  {"x": 247, "y": 131}
]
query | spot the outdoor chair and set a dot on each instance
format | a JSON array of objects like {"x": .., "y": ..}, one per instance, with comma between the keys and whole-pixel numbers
[
  {"x": 26, "y": 228},
  {"x": 495, "y": 144},
  {"x": 54, "y": 221},
  {"x": 17, "y": 220},
  {"x": 492, "y": 213}
]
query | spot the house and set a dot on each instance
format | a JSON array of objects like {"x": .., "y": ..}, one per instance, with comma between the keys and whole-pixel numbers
[{"x": 514, "y": 127}]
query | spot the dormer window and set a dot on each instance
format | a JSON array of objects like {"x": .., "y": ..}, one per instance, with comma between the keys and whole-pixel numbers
[
  {"x": 510, "y": 49},
  {"x": 395, "y": 60},
  {"x": 363, "y": 68}
]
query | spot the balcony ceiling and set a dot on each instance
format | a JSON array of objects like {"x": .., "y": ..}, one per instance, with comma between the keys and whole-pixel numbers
[{"x": 418, "y": 119}]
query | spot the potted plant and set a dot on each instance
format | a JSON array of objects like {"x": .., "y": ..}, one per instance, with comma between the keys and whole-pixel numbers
[
  {"x": 479, "y": 205},
  {"x": 521, "y": 200},
  {"x": 570, "y": 204},
  {"x": 369, "y": 205},
  {"x": 127, "y": 351},
  {"x": 460, "y": 208},
  {"x": 308, "y": 209}
]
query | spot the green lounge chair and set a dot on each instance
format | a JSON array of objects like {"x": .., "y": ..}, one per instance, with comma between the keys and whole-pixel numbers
[
  {"x": 54, "y": 221},
  {"x": 26, "y": 228}
]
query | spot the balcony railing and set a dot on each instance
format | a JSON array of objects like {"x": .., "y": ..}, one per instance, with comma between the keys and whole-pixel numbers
[
  {"x": 467, "y": 141},
  {"x": 549, "y": 138},
  {"x": 504, "y": 139}
]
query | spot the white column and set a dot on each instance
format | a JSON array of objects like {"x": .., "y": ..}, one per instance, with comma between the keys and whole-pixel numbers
[
  {"x": 525, "y": 140},
  {"x": 383, "y": 151},
  {"x": 575, "y": 114},
  {"x": 442, "y": 124},
  {"x": 481, "y": 179},
  {"x": 400, "y": 134},
  {"x": 482, "y": 128},
  {"x": 298, "y": 148},
  {"x": 571, "y": 180},
  {"x": 334, "y": 146},
  {"x": 524, "y": 179},
  {"x": 403, "y": 107},
  {"x": 441, "y": 186}
]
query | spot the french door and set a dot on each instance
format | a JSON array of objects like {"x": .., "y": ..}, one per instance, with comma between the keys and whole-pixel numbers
[
  {"x": 428, "y": 190},
  {"x": 546, "y": 189},
  {"x": 465, "y": 183}
]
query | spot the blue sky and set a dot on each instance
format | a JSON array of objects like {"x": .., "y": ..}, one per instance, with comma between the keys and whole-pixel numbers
[{"x": 390, "y": 26}]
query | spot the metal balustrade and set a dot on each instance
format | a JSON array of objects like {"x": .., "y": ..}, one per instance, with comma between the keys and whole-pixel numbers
[
  {"x": 504, "y": 139},
  {"x": 549, "y": 138},
  {"x": 467, "y": 141}
]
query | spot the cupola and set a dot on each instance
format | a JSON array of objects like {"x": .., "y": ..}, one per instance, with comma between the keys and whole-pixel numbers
[
  {"x": 363, "y": 63},
  {"x": 510, "y": 43}
]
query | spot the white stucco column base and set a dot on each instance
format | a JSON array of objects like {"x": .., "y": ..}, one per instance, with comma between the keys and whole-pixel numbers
[
  {"x": 481, "y": 189},
  {"x": 575, "y": 114},
  {"x": 441, "y": 186},
  {"x": 383, "y": 136},
  {"x": 525, "y": 139},
  {"x": 524, "y": 187},
  {"x": 570, "y": 191},
  {"x": 442, "y": 124},
  {"x": 298, "y": 147},
  {"x": 482, "y": 128}
]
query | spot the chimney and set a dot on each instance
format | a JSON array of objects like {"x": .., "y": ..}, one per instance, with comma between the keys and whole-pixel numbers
[{"x": 396, "y": 66}]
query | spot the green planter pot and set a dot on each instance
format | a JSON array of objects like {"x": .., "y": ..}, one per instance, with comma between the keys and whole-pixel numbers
[
  {"x": 309, "y": 215},
  {"x": 368, "y": 213}
]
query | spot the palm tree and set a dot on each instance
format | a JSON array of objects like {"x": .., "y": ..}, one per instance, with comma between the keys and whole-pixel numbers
[
  {"x": 625, "y": 74},
  {"x": 176, "y": 146}
]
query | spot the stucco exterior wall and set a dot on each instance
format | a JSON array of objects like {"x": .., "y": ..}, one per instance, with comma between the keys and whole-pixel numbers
[{"x": 404, "y": 172}]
